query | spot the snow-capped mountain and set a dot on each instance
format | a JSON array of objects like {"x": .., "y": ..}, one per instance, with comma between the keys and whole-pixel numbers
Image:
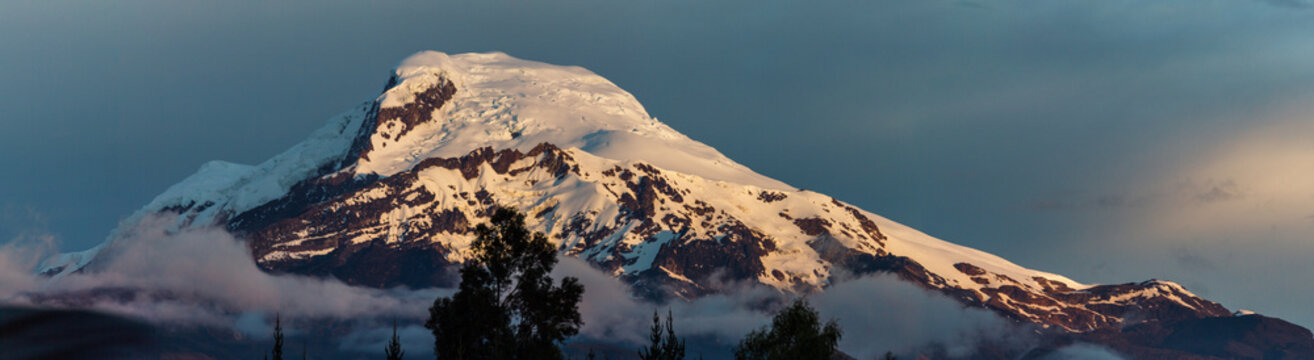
[{"x": 388, "y": 194}]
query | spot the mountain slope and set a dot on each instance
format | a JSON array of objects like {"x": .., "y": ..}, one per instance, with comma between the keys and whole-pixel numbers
[{"x": 388, "y": 193}]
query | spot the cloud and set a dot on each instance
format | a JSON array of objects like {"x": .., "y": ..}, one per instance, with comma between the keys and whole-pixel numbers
[
  {"x": 1249, "y": 183},
  {"x": 15, "y": 276},
  {"x": 17, "y": 259},
  {"x": 610, "y": 310},
  {"x": 200, "y": 277},
  {"x": 1211, "y": 191},
  {"x": 882, "y": 313},
  {"x": 878, "y": 313},
  {"x": 1193, "y": 261}
]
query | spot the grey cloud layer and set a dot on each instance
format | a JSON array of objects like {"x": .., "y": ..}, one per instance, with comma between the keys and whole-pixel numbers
[{"x": 205, "y": 276}]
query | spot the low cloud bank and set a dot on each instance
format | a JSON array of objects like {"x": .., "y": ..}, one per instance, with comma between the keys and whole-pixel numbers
[
  {"x": 610, "y": 311},
  {"x": 882, "y": 313},
  {"x": 207, "y": 277},
  {"x": 877, "y": 313},
  {"x": 18, "y": 258},
  {"x": 195, "y": 276}
]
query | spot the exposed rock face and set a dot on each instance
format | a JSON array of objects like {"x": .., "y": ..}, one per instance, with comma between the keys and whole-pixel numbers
[
  {"x": 382, "y": 197},
  {"x": 394, "y": 122}
]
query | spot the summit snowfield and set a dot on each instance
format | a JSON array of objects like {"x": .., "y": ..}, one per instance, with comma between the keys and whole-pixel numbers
[
  {"x": 508, "y": 103},
  {"x": 389, "y": 192}
]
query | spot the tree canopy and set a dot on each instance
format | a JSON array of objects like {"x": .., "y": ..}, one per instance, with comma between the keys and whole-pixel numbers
[
  {"x": 507, "y": 305},
  {"x": 795, "y": 333}
]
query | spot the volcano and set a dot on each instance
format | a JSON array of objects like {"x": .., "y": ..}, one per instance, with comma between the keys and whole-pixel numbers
[{"x": 388, "y": 194}]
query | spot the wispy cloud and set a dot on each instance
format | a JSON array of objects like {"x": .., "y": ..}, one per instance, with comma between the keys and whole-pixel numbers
[
  {"x": 1249, "y": 183},
  {"x": 1212, "y": 191},
  {"x": 882, "y": 313},
  {"x": 1193, "y": 261},
  {"x": 197, "y": 276}
]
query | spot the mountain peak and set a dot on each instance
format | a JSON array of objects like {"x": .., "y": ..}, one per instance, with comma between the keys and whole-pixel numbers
[
  {"x": 389, "y": 193},
  {"x": 440, "y": 105}
]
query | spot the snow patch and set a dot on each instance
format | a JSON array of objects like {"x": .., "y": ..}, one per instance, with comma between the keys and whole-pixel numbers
[{"x": 644, "y": 253}]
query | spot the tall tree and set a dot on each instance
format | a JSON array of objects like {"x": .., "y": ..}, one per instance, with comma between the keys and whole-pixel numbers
[
  {"x": 795, "y": 333},
  {"x": 278, "y": 338},
  {"x": 663, "y": 346},
  {"x": 507, "y": 305},
  {"x": 394, "y": 350}
]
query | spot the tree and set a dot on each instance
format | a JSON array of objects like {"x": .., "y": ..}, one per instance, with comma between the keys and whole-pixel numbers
[
  {"x": 889, "y": 355},
  {"x": 278, "y": 338},
  {"x": 668, "y": 347},
  {"x": 394, "y": 350},
  {"x": 794, "y": 333},
  {"x": 507, "y": 306}
]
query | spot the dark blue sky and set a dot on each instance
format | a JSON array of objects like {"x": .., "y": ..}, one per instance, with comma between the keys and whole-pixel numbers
[{"x": 1110, "y": 141}]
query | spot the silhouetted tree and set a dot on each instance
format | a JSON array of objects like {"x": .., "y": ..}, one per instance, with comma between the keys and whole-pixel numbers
[
  {"x": 668, "y": 347},
  {"x": 794, "y": 333},
  {"x": 507, "y": 306},
  {"x": 889, "y": 355},
  {"x": 278, "y": 338},
  {"x": 394, "y": 350}
]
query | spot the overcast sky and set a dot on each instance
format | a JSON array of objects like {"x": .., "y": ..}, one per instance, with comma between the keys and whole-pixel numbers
[{"x": 1111, "y": 141}]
